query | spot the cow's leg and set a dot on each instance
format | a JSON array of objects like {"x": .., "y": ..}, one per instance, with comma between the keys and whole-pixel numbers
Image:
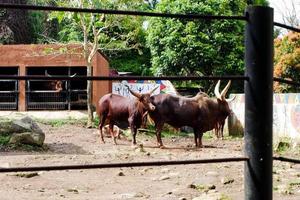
[
  {"x": 200, "y": 145},
  {"x": 158, "y": 129},
  {"x": 117, "y": 132},
  {"x": 221, "y": 130},
  {"x": 198, "y": 138},
  {"x": 101, "y": 124},
  {"x": 216, "y": 131},
  {"x": 133, "y": 130},
  {"x": 111, "y": 131}
]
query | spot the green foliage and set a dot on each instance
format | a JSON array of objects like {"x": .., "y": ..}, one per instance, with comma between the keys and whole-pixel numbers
[
  {"x": 121, "y": 37},
  {"x": 62, "y": 122},
  {"x": 5, "y": 145},
  {"x": 287, "y": 61},
  {"x": 96, "y": 122},
  {"x": 202, "y": 47},
  {"x": 131, "y": 61},
  {"x": 260, "y": 2},
  {"x": 283, "y": 145},
  {"x": 4, "y": 139}
]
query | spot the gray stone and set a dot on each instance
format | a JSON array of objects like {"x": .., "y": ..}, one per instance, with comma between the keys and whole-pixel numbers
[
  {"x": 27, "y": 138},
  {"x": 227, "y": 180},
  {"x": 25, "y": 124},
  {"x": 23, "y": 131},
  {"x": 164, "y": 178}
]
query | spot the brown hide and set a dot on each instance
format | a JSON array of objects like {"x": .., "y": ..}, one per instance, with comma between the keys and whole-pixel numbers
[
  {"x": 201, "y": 112},
  {"x": 114, "y": 108}
]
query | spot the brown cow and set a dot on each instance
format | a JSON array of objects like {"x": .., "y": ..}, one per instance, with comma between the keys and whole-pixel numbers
[
  {"x": 113, "y": 108},
  {"x": 200, "y": 112},
  {"x": 56, "y": 85}
]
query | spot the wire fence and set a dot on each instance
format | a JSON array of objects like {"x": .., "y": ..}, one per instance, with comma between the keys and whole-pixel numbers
[{"x": 94, "y": 78}]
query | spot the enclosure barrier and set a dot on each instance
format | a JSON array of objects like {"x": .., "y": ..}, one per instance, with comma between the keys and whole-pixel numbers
[
  {"x": 291, "y": 160},
  {"x": 118, "y": 165},
  {"x": 134, "y": 13},
  {"x": 258, "y": 90}
]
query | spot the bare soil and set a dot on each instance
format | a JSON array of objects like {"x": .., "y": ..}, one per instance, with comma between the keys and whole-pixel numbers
[{"x": 70, "y": 145}]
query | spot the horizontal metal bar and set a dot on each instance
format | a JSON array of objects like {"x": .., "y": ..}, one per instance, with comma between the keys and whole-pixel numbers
[
  {"x": 46, "y": 103},
  {"x": 118, "y": 165},
  {"x": 9, "y": 92},
  {"x": 111, "y": 78},
  {"x": 287, "y": 27},
  {"x": 286, "y": 159},
  {"x": 119, "y": 12},
  {"x": 282, "y": 80},
  {"x": 45, "y": 91}
]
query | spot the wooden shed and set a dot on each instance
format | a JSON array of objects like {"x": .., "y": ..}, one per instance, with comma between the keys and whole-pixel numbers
[{"x": 48, "y": 60}]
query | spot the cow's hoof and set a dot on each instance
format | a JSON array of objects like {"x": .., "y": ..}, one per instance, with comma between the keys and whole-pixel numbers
[
  {"x": 115, "y": 142},
  {"x": 162, "y": 147}
]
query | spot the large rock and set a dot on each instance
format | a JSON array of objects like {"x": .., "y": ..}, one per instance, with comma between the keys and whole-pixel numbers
[
  {"x": 23, "y": 130},
  {"x": 31, "y": 138}
]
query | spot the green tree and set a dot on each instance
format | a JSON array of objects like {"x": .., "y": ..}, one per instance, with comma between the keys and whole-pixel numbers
[
  {"x": 197, "y": 47},
  {"x": 259, "y": 2},
  {"x": 287, "y": 61},
  {"x": 109, "y": 32}
]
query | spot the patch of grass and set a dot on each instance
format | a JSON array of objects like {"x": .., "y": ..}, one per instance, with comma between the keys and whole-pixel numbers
[
  {"x": 62, "y": 122},
  {"x": 4, "y": 139},
  {"x": 202, "y": 187},
  {"x": 6, "y": 146},
  {"x": 295, "y": 183},
  {"x": 96, "y": 122},
  {"x": 27, "y": 175},
  {"x": 224, "y": 197},
  {"x": 167, "y": 132},
  {"x": 283, "y": 146}
]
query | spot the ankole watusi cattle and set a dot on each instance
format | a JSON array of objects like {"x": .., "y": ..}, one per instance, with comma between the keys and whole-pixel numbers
[
  {"x": 114, "y": 108},
  {"x": 201, "y": 112},
  {"x": 56, "y": 85}
]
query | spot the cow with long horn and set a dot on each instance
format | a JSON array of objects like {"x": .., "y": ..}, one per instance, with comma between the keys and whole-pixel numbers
[
  {"x": 201, "y": 112},
  {"x": 114, "y": 108},
  {"x": 56, "y": 85}
]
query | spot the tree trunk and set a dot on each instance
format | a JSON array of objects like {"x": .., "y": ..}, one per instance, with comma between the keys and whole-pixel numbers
[
  {"x": 17, "y": 21},
  {"x": 89, "y": 97}
]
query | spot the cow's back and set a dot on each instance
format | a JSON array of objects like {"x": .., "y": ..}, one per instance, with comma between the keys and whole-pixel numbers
[
  {"x": 114, "y": 106},
  {"x": 176, "y": 111}
]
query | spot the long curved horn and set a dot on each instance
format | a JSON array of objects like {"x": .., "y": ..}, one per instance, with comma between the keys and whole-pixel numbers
[
  {"x": 224, "y": 91},
  {"x": 46, "y": 74},
  {"x": 137, "y": 95},
  {"x": 217, "y": 92},
  {"x": 153, "y": 90},
  {"x": 73, "y": 75},
  {"x": 231, "y": 99}
]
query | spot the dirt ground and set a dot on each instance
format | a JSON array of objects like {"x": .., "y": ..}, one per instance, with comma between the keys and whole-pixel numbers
[{"x": 70, "y": 144}]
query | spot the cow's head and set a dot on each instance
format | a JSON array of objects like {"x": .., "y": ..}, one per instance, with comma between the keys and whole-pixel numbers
[
  {"x": 144, "y": 98},
  {"x": 222, "y": 101},
  {"x": 56, "y": 85}
]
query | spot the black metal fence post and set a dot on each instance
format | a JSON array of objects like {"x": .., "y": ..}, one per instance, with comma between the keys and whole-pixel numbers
[{"x": 259, "y": 103}]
